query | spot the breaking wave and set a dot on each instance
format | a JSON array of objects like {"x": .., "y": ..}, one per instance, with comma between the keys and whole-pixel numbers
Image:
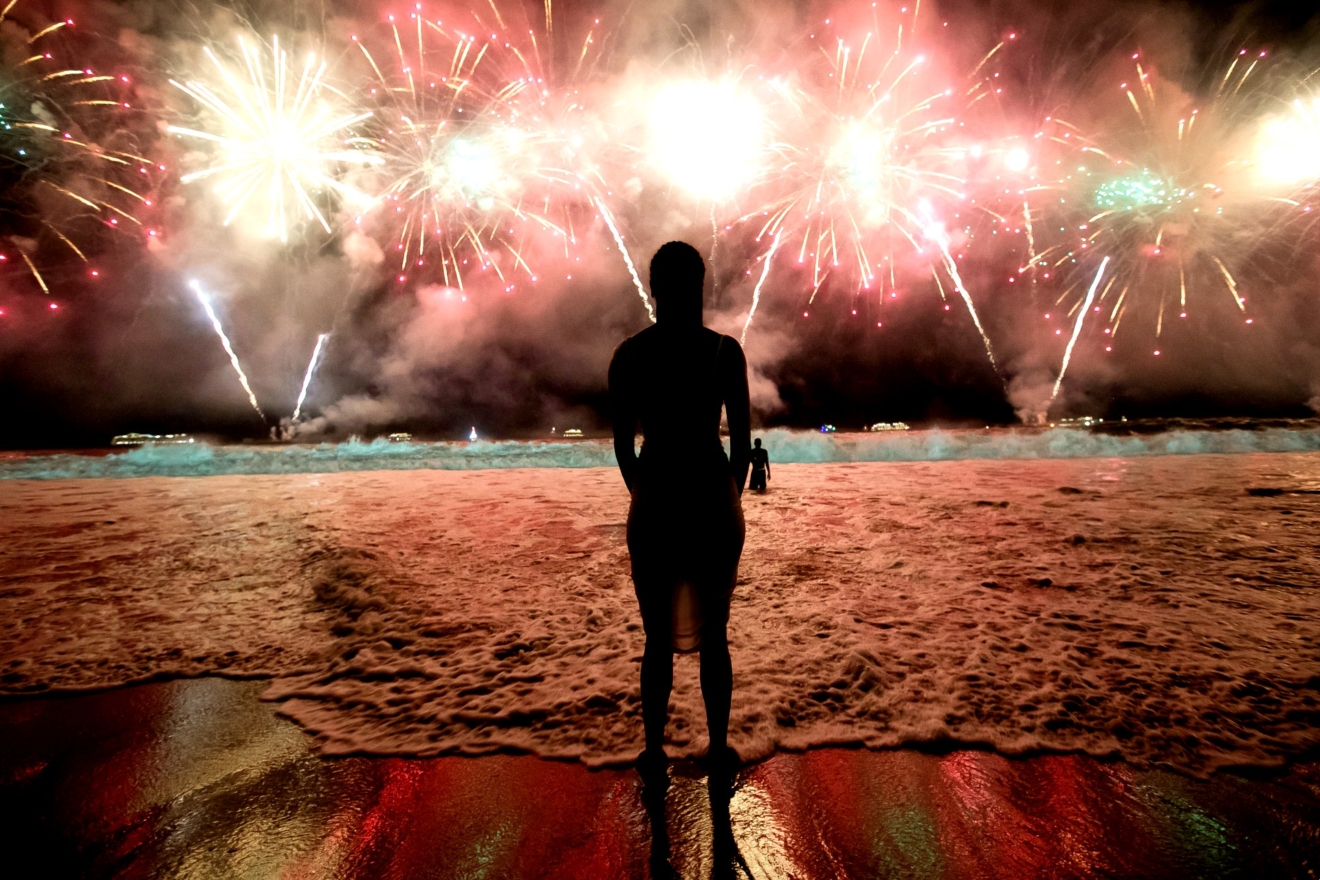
[{"x": 200, "y": 459}]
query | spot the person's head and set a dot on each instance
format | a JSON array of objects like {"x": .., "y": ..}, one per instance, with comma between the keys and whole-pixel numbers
[
  {"x": 757, "y": 441},
  {"x": 677, "y": 273}
]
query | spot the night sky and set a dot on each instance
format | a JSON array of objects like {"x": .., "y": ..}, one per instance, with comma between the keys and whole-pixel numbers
[{"x": 129, "y": 349}]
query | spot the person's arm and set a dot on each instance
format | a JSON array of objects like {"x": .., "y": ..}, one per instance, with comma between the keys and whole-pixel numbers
[
  {"x": 737, "y": 407},
  {"x": 767, "y": 465},
  {"x": 623, "y": 416}
]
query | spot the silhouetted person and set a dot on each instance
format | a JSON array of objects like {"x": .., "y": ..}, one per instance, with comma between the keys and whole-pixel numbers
[
  {"x": 685, "y": 526},
  {"x": 760, "y": 467}
]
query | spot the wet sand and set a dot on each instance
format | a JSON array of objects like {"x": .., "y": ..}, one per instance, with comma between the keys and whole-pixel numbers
[
  {"x": 200, "y": 778},
  {"x": 1162, "y": 609}
]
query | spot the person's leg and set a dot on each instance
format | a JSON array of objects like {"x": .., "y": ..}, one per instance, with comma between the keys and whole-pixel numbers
[
  {"x": 716, "y": 681},
  {"x": 646, "y": 549},
  {"x": 654, "y": 599},
  {"x": 657, "y": 682},
  {"x": 716, "y": 594}
]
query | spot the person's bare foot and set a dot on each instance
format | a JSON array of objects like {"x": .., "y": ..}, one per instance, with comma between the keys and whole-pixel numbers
[
  {"x": 724, "y": 762},
  {"x": 653, "y": 766}
]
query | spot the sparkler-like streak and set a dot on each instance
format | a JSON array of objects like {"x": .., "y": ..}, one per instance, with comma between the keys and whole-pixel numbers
[
  {"x": 1077, "y": 328},
  {"x": 279, "y": 137},
  {"x": 756, "y": 291},
  {"x": 935, "y": 232},
  {"x": 1031, "y": 236},
  {"x": 627, "y": 259},
  {"x": 229, "y": 349},
  {"x": 307, "y": 377}
]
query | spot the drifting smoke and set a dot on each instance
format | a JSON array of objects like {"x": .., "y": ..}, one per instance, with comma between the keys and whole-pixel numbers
[{"x": 130, "y": 349}]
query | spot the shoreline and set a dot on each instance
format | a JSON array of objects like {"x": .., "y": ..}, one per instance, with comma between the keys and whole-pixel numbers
[{"x": 1154, "y": 608}]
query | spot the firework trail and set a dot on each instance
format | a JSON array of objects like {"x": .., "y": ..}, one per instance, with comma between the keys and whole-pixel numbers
[
  {"x": 935, "y": 232},
  {"x": 307, "y": 377},
  {"x": 279, "y": 137},
  {"x": 1077, "y": 329},
  {"x": 627, "y": 259},
  {"x": 229, "y": 349},
  {"x": 756, "y": 291}
]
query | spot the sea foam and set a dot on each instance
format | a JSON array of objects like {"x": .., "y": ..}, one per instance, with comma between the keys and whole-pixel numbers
[{"x": 201, "y": 459}]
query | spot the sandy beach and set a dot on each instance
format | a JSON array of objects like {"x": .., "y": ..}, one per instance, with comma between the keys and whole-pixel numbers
[{"x": 1161, "y": 609}]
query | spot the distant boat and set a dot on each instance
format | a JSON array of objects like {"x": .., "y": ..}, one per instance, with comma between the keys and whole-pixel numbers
[
  {"x": 400, "y": 437},
  {"x": 827, "y": 429},
  {"x": 135, "y": 439},
  {"x": 573, "y": 433},
  {"x": 890, "y": 426},
  {"x": 1079, "y": 422}
]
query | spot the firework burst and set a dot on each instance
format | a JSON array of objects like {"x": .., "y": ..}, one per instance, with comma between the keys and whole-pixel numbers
[
  {"x": 485, "y": 148},
  {"x": 708, "y": 137},
  {"x": 66, "y": 164},
  {"x": 1286, "y": 168},
  {"x": 1165, "y": 199},
  {"x": 1286, "y": 154},
  {"x": 869, "y": 173},
  {"x": 281, "y": 138},
  {"x": 851, "y": 198}
]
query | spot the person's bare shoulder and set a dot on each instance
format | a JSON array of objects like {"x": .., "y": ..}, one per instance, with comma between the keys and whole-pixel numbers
[
  {"x": 620, "y": 349},
  {"x": 731, "y": 352},
  {"x": 621, "y": 364},
  {"x": 638, "y": 342},
  {"x": 630, "y": 345}
]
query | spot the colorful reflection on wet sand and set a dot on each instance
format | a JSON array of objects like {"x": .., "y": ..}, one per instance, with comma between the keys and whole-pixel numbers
[{"x": 199, "y": 778}]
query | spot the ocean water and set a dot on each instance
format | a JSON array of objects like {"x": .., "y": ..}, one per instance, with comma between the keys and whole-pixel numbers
[{"x": 1111, "y": 440}]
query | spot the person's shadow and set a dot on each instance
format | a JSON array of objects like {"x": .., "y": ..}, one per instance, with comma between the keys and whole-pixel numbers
[{"x": 727, "y": 861}]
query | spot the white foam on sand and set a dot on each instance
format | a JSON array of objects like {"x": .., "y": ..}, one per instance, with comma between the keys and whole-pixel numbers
[{"x": 1150, "y": 608}]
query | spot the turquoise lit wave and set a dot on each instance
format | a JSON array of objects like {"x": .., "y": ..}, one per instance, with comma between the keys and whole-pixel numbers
[{"x": 201, "y": 459}]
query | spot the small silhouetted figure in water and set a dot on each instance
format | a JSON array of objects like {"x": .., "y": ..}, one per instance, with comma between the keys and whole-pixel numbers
[
  {"x": 760, "y": 467},
  {"x": 685, "y": 525}
]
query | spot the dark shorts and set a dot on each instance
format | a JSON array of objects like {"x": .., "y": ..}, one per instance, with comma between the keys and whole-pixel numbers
[
  {"x": 685, "y": 530},
  {"x": 757, "y": 482}
]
